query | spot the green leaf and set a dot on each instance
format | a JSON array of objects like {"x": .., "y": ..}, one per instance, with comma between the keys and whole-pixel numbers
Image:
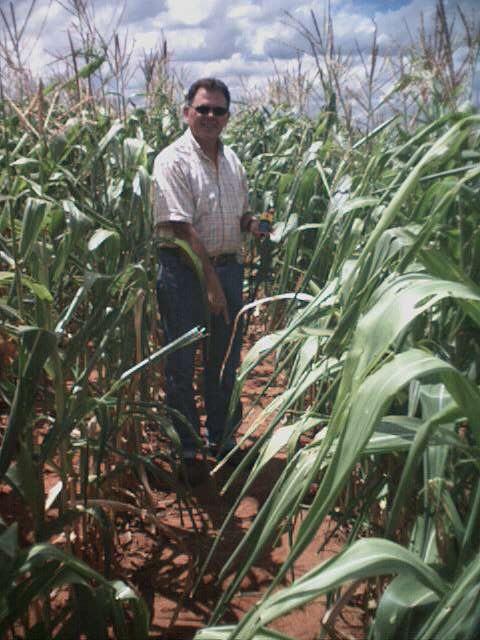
[
  {"x": 9, "y": 541},
  {"x": 44, "y": 568},
  {"x": 135, "y": 153},
  {"x": 403, "y": 595},
  {"x": 365, "y": 409},
  {"x": 364, "y": 559},
  {"x": 40, "y": 290},
  {"x": 23, "y": 162},
  {"x": 223, "y": 633},
  {"x": 84, "y": 72},
  {"x": 450, "y": 413},
  {"x": 395, "y": 306},
  {"x": 36, "y": 346},
  {"x": 457, "y": 614},
  {"x": 32, "y": 222},
  {"x": 354, "y": 426},
  {"x": 104, "y": 236},
  {"x": 111, "y": 134}
]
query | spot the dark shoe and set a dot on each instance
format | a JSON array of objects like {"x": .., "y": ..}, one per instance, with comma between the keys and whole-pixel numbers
[{"x": 193, "y": 471}]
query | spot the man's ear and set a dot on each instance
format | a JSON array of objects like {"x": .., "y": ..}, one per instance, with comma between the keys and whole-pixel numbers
[{"x": 185, "y": 113}]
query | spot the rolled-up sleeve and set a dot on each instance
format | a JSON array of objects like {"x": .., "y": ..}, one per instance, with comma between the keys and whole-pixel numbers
[{"x": 172, "y": 199}]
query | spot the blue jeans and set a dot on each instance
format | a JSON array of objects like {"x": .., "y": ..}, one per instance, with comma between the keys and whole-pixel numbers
[{"x": 182, "y": 308}]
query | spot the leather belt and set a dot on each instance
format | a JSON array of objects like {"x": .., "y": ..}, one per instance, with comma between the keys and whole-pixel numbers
[
  {"x": 217, "y": 261},
  {"x": 223, "y": 259}
]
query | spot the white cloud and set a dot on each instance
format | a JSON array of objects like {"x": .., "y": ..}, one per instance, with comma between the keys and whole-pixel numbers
[
  {"x": 190, "y": 12},
  {"x": 182, "y": 41},
  {"x": 233, "y": 38},
  {"x": 147, "y": 40},
  {"x": 259, "y": 39},
  {"x": 244, "y": 11}
]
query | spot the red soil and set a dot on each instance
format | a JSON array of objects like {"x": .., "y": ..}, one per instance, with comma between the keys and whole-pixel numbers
[{"x": 163, "y": 566}]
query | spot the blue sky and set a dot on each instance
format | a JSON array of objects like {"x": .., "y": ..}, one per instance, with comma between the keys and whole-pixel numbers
[
  {"x": 379, "y": 5},
  {"x": 232, "y": 39}
]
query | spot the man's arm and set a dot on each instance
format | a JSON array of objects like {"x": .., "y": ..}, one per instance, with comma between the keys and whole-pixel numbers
[
  {"x": 171, "y": 192},
  {"x": 216, "y": 297}
]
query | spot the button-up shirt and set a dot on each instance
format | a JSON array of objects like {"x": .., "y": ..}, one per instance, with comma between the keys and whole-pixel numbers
[{"x": 189, "y": 187}]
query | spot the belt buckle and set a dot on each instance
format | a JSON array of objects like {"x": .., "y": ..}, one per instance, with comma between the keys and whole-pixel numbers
[
  {"x": 222, "y": 259},
  {"x": 218, "y": 261}
]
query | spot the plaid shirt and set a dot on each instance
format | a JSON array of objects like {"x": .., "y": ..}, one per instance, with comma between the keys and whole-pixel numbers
[{"x": 188, "y": 187}]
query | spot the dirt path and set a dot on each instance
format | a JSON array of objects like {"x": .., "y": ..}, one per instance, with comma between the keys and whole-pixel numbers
[{"x": 163, "y": 569}]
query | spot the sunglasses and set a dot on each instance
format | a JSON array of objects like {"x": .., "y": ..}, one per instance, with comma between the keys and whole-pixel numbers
[{"x": 204, "y": 109}]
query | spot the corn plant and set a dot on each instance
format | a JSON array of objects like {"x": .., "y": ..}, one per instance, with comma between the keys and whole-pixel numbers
[
  {"x": 380, "y": 347},
  {"x": 79, "y": 316}
]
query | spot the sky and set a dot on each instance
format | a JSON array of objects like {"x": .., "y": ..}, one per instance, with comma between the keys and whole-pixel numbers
[{"x": 232, "y": 39}]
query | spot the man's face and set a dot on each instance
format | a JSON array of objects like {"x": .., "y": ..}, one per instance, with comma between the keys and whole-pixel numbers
[{"x": 206, "y": 127}]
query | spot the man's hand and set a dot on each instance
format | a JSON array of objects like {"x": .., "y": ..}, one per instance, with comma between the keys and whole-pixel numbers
[
  {"x": 216, "y": 298},
  {"x": 254, "y": 229}
]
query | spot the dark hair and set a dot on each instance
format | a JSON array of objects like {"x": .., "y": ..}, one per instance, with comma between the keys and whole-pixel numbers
[{"x": 210, "y": 84}]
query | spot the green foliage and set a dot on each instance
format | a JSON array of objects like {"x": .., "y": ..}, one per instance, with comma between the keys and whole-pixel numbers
[
  {"x": 30, "y": 576},
  {"x": 387, "y": 244},
  {"x": 77, "y": 288},
  {"x": 374, "y": 321}
]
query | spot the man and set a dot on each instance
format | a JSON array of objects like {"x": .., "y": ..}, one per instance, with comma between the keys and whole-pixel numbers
[{"x": 200, "y": 197}]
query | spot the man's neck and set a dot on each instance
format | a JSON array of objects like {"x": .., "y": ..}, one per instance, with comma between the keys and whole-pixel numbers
[{"x": 210, "y": 149}]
